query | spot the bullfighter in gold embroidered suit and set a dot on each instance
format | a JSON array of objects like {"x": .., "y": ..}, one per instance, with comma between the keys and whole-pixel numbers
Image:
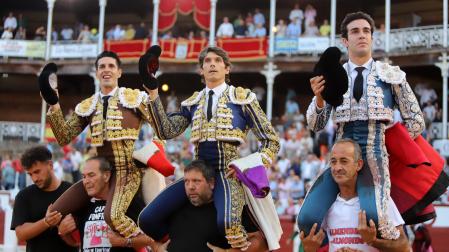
[{"x": 115, "y": 116}]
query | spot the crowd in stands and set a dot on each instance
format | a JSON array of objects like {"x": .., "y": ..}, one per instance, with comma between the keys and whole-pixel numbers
[
  {"x": 432, "y": 110},
  {"x": 13, "y": 28},
  {"x": 300, "y": 23},
  {"x": 295, "y": 27}
]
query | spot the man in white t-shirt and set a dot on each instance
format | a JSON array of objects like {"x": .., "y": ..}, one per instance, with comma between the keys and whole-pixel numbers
[
  {"x": 10, "y": 22},
  {"x": 345, "y": 223}
]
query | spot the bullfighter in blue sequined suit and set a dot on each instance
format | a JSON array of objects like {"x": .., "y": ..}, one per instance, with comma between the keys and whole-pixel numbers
[{"x": 234, "y": 112}]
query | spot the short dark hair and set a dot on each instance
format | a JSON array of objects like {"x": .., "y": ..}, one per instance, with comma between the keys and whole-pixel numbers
[
  {"x": 35, "y": 154},
  {"x": 218, "y": 51},
  {"x": 357, "y": 149},
  {"x": 200, "y": 165},
  {"x": 354, "y": 16},
  {"x": 104, "y": 164},
  {"x": 108, "y": 54}
]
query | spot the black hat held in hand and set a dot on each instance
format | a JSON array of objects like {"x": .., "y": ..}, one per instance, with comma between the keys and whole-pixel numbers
[
  {"x": 148, "y": 65},
  {"x": 334, "y": 74},
  {"x": 48, "y": 83}
]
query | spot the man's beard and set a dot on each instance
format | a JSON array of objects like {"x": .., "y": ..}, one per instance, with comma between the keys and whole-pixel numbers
[
  {"x": 47, "y": 183},
  {"x": 201, "y": 200}
]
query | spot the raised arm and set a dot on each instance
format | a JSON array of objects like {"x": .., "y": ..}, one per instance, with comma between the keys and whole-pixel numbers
[
  {"x": 165, "y": 125},
  {"x": 65, "y": 131},
  {"x": 317, "y": 118},
  {"x": 318, "y": 112}
]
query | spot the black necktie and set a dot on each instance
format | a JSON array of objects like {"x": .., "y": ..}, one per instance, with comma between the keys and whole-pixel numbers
[
  {"x": 105, "y": 105},
  {"x": 209, "y": 105},
  {"x": 358, "y": 84}
]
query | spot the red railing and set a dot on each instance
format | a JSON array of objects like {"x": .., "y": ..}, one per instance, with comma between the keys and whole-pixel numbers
[{"x": 184, "y": 50}]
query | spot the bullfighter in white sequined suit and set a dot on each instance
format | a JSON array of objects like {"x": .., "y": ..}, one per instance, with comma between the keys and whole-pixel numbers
[{"x": 363, "y": 118}]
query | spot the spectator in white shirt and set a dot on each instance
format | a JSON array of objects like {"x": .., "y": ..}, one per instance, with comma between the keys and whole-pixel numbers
[
  {"x": 310, "y": 168},
  {"x": 429, "y": 111},
  {"x": 225, "y": 30},
  {"x": 10, "y": 22},
  {"x": 427, "y": 94},
  {"x": 296, "y": 13},
  {"x": 259, "y": 18},
  {"x": 283, "y": 164}
]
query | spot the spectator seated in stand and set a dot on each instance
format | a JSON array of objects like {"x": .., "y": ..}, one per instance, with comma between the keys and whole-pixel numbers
[
  {"x": 7, "y": 34},
  {"x": 309, "y": 14},
  {"x": 67, "y": 33},
  {"x": 325, "y": 28},
  {"x": 294, "y": 29},
  {"x": 281, "y": 29},
  {"x": 141, "y": 31},
  {"x": 130, "y": 32},
  {"x": 240, "y": 29},
  {"x": 311, "y": 30},
  {"x": 118, "y": 33},
  {"x": 39, "y": 34},
  {"x": 168, "y": 35},
  {"x": 260, "y": 31},
  {"x": 85, "y": 35}
]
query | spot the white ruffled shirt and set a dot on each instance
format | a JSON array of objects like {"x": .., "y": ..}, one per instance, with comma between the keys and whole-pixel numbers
[
  {"x": 112, "y": 93},
  {"x": 359, "y": 108}
]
